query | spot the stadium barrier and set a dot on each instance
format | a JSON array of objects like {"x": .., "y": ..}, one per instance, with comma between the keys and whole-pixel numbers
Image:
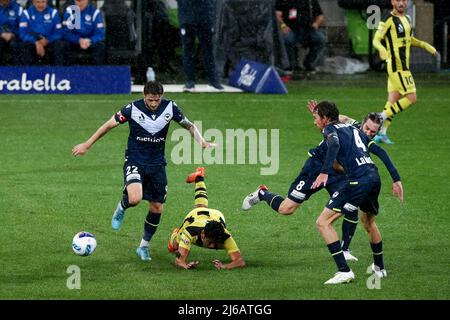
[
  {"x": 66, "y": 80},
  {"x": 257, "y": 77}
]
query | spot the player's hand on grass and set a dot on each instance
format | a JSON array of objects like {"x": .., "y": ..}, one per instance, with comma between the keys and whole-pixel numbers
[
  {"x": 397, "y": 190},
  {"x": 80, "y": 149},
  {"x": 218, "y": 264},
  {"x": 320, "y": 180},
  {"x": 312, "y": 104}
]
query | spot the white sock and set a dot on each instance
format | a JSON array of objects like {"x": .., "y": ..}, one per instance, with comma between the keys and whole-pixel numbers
[
  {"x": 383, "y": 130},
  {"x": 383, "y": 115},
  {"x": 144, "y": 243}
]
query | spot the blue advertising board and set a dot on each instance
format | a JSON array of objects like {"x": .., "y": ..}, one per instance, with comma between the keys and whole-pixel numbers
[
  {"x": 65, "y": 80},
  {"x": 257, "y": 77}
]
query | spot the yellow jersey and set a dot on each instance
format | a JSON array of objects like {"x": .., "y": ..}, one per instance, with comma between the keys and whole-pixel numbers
[{"x": 194, "y": 223}]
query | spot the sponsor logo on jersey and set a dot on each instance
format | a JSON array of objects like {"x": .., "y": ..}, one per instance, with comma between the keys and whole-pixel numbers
[
  {"x": 48, "y": 83},
  {"x": 150, "y": 139},
  {"x": 363, "y": 160}
]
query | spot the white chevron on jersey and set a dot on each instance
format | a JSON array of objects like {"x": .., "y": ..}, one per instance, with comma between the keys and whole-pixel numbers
[{"x": 152, "y": 125}]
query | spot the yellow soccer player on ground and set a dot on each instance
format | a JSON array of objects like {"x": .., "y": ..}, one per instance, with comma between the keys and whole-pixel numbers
[
  {"x": 396, "y": 32},
  {"x": 203, "y": 227}
]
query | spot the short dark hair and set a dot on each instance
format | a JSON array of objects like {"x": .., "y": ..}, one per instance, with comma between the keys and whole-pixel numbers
[
  {"x": 153, "y": 87},
  {"x": 375, "y": 117},
  {"x": 215, "y": 231},
  {"x": 327, "y": 109}
]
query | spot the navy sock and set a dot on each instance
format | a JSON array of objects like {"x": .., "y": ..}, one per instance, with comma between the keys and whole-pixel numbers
[
  {"x": 377, "y": 250},
  {"x": 348, "y": 230},
  {"x": 124, "y": 202},
  {"x": 338, "y": 256},
  {"x": 150, "y": 225},
  {"x": 273, "y": 200}
]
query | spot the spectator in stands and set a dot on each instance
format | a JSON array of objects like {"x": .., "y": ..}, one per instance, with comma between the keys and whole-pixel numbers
[
  {"x": 85, "y": 33},
  {"x": 162, "y": 37},
  {"x": 299, "y": 21},
  {"x": 197, "y": 19},
  {"x": 10, "y": 13},
  {"x": 40, "y": 31}
]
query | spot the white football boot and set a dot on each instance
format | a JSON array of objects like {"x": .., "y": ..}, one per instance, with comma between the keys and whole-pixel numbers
[
  {"x": 349, "y": 257},
  {"x": 380, "y": 273}
]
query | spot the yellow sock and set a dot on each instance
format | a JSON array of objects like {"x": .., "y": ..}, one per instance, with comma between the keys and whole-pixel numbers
[{"x": 201, "y": 195}]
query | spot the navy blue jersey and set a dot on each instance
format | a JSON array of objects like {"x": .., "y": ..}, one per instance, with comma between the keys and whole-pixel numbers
[
  {"x": 320, "y": 151},
  {"x": 91, "y": 25},
  {"x": 350, "y": 147},
  {"x": 35, "y": 24},
  {"x": 148, "y": 130}
]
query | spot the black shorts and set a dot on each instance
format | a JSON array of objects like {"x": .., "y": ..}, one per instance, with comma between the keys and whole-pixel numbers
[
  {"x": 152, "y": 178},
  {"x": 359, "y": 193}
]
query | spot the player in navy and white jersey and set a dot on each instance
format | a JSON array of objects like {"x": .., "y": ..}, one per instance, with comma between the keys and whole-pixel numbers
[
  {"x": 144, "y": 169},
  {"x": 350, "y": 147}
]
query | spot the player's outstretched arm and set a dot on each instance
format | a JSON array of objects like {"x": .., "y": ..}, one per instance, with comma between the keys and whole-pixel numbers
[
  {"x": 82, "y": 148},
  {"x": 237, "y": 261},
  {"x": 346, "y": 119},
  {"x": 195, "y": 133},
  {"x": 424, "y": 45},
  {"x": 397, "y": 190},
  {"x": 181, "y": 259}
]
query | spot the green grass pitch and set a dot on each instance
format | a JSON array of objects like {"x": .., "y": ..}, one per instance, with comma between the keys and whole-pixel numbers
[{"x": 46, "y": 196}]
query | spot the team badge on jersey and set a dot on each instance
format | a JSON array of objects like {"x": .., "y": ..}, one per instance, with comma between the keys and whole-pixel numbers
[
  {"x": 167, "y": 117},
  {"x": 12, "y": 13},
  {"x": 88, "y": 17},
  {"x": 47, "y": 16}
]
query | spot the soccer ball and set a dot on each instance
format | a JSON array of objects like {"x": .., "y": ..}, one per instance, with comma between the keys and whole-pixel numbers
[{"x": 84, "y": 243}]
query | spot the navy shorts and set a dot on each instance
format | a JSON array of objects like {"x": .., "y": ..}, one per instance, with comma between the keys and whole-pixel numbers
[
  {"x": 300, "y": 190},
  {"x": 359, "y": 193},
  {"x": 152, "y": 178}
]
